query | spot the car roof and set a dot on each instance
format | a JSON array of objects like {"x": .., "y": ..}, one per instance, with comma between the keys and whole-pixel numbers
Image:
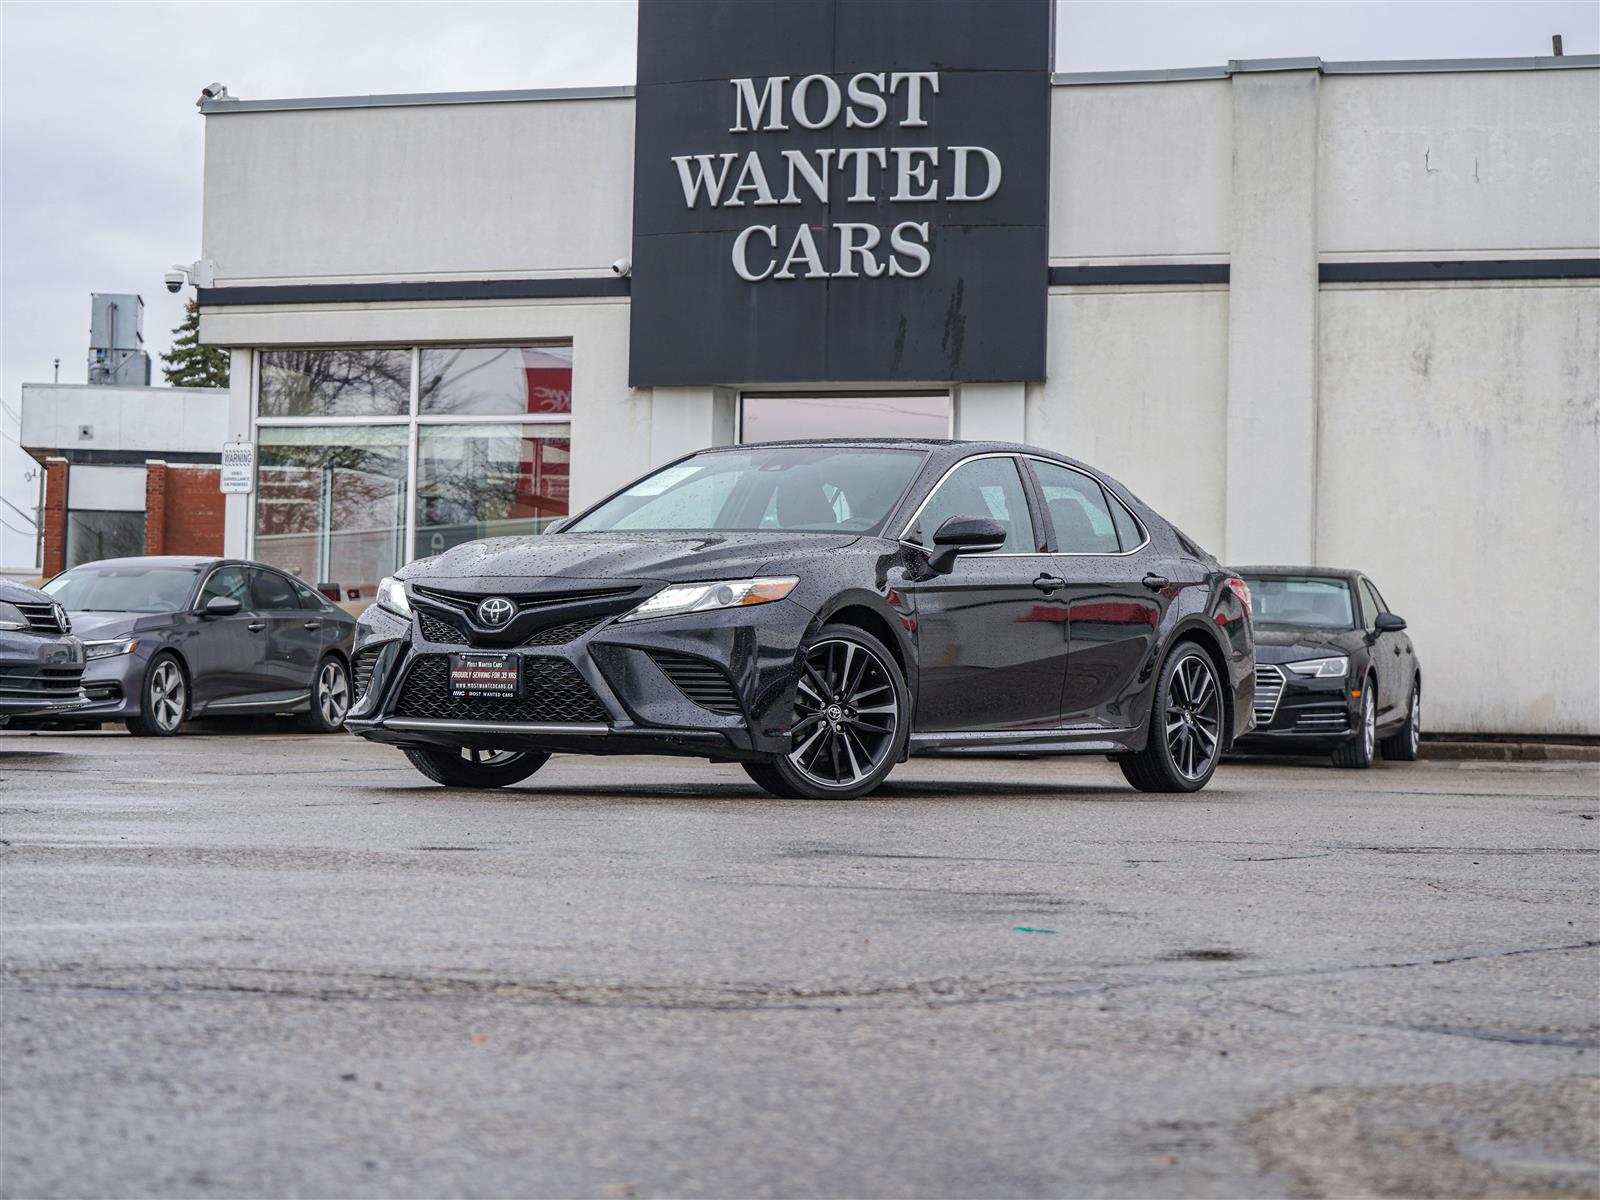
[
  {"x": 159, "y": 560},
  {"x": 1341, "y": 572},
  {"x": 949, "y": 448}
]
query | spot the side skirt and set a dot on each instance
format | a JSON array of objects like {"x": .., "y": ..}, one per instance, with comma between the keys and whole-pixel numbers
[{"x": 1029, "y": 741}]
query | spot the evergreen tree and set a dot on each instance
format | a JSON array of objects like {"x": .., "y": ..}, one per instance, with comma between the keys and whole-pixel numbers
[{"x": 188, "y": 363}]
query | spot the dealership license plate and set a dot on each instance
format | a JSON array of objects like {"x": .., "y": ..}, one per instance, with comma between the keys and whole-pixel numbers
[{"x": 485, "y": 675}]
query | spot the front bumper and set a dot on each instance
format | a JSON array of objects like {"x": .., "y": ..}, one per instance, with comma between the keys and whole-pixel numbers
[
  {"x": 714, "y": 685},
  {"x": 1297, "y": 715},
  {"x": 40, "y": 676}
]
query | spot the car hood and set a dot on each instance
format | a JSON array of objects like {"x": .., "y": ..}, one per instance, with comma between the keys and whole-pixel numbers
[
  {"x": 669, "y": 557},
  {"x": 12, "y": 592},
  {"x": 93, "y": 626},
  {"x": 1279, "y": 644}
]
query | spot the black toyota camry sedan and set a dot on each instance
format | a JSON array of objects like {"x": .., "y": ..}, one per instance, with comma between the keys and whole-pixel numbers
[
  {"x": 1336, "y": 672},
  {"x": 819, "y": 611}
]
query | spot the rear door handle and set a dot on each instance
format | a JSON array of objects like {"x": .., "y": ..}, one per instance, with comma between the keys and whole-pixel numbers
[
  {"x": 256, "y": 626},
  {"x": 313, "y": 625},
  {"x": 1049, "y": 583},
  {"x": 1156, "y": 583}
]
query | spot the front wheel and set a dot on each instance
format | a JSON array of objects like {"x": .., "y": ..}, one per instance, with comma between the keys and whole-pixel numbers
[
  {"x": 165, "y": 699},
  {"x": 470, "y": 768},
  {"x": 1406, "y": 742},
  {"x": 1185, "y": 741},
  {"x": 330, "y": 698},
  {"x": 1358, "y": 753},
  {"x": 851, "y": 720}
]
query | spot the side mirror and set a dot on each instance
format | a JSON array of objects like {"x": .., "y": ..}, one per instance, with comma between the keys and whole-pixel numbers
[
  {"x": 1388, "y": 623},
  {"x": 221, "y": 606},
  {"x": 964, "y": 535}
]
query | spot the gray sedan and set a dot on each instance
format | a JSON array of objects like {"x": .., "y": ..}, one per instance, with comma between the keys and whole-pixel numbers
[{"x": 169, "y": 638}]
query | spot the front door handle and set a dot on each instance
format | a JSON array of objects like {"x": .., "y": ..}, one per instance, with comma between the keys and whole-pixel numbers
[
  {"x": 256, "y": 626},
  {"x": 1156, "y": 583},
  {"x": 313, "y": 625},
  {"x": 1049, "y": 583}
]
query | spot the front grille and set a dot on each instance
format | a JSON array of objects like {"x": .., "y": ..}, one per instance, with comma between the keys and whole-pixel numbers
[
  {"x": 525, "y": 602},
  {"x": 560, "y": 635},
  {"x": 52, "y": 683},
  {"x": 439, "y": 631},
  {"x": 41, "y": 617},
  {"x": 365, "y": 660},
  {"x": 1269, "y": 689},
  {"x": 1322, "y": 720},
  {"x": 699, "y": 680},
  {"x": 554, "y": 692}
]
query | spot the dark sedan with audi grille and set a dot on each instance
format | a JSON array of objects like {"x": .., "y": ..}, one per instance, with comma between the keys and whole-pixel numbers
[
  {"x": 818, "y": 612},
  {"x": 1336, "y": 672}
]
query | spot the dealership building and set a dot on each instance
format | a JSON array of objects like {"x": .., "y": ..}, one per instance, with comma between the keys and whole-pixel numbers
[{"x": 1313, "y": 312}]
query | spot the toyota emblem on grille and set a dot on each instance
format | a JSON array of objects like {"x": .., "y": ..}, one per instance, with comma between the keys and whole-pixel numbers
[{"x": 495, "y": 611}]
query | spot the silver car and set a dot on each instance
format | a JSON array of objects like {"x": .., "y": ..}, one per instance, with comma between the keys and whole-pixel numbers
[{"x": 168, "y": 638}]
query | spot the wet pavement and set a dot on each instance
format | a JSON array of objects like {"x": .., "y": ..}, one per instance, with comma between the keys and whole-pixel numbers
[{"x": 289, "y": 965}]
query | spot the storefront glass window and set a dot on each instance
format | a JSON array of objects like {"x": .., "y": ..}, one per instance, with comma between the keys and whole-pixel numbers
[
  {"x": 331, "y": 503},
  {"x": 490, "y": 381},
  {"x": 93, "y": 534},
  {"x": 476, "y": 481},
  {"x": 779, "y": 418},
  {"x": 335, "y": 383}
]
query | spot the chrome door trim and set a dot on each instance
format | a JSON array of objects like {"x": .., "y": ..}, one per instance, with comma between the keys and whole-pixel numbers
[
  {"x": 934, "y": 491},
  {"x": 1115, "y": 499}
]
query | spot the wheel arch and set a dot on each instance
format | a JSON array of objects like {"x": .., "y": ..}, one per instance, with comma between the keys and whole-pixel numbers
[
  {"x": 1196, "y": 632},
  {"x": 188, "y": 678}
]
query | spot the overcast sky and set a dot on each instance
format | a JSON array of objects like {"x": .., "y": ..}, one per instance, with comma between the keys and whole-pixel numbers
[{"x": 101, "y": 155}]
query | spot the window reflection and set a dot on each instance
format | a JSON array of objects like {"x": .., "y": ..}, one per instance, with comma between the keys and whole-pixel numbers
[
  {"x": 351, "y": 382},
  {"x": 476, "y": 481},
  {"x": 483, "y": 380},
  {"x": 330, "y": 503}
]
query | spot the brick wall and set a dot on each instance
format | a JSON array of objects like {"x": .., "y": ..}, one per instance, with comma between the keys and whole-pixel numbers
[
  {"x": 55, "y": 516},
  {"x": 183, "y": 509}
]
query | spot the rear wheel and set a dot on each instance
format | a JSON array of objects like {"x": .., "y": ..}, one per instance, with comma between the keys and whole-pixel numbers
[
  {"x": 851, "y": 720},
  {"x": 1358, "y": 752},
  {"x": 164, "y": 701},
  {"x": 330, "y": 698},
  {"x": 1404, "y": 744},
  {"x": 470, "y": 768},
  {"x": 1185, "y": 741}
]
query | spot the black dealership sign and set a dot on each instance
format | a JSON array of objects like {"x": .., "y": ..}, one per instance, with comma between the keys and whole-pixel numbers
[{"x": 840, "y": 190}]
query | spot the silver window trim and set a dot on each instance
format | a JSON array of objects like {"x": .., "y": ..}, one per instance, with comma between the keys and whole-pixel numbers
[
  {"x": 1017, "y": 456},
  {"x": 238, "y": 566},
  {"x": 951, "y": 470}
]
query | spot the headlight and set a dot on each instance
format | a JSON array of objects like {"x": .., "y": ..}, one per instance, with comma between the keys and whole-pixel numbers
[
  {"x": 11, "y": 617},
  {"x": 392, "y": 595},
  {"x": 680, "y": 598},
  {"x": 1322, "y": 668},
  {"x": 111, "y": 649}
]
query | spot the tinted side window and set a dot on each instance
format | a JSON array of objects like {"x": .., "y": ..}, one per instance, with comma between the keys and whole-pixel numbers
[
  {"x": 309, "y": 597},
  {"x": 1370, "y": 602},
  {"x": 269, "y": 590},
  {"x": 982, "y": 487},
  {"x": 226, "y": 581},
  {"x": 1128, "y": 531},
  {"x": 1078, "y": 511}
]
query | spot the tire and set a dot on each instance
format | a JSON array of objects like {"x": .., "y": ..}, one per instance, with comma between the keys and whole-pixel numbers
[
  {"x": 1357, "y": 753},
  {"x": 330, "y": 697},
  {"x": 852, "y": 719},
  {"x": 163, "y": 698},
  {"x": 467, "y": 768},
  {"x": 1186, "y": 718},
  {"x": 1404, "y": 743}
]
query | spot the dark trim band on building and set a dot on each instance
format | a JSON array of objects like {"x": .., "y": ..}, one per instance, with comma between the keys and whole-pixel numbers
[
  {"x": 585, "y": 287},
  {"x": 1140, "y": 273},
  {"x": 1479, "y": 269},
  {"x": 129, "y": 458}
]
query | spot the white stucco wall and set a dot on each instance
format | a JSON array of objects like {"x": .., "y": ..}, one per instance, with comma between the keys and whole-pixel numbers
[
  {"x": 142, "y": 419},
  {"x": 1459, "y": 464}
]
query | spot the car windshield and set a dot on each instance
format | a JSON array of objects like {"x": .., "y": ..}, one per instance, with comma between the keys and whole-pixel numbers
[
  {"x": 124, "y": 587},
  {"x": 1314, "y": 602},
  {"x": 831, "y": 489}
]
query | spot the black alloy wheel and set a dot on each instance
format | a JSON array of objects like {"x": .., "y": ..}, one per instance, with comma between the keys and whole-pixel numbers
[
  {"x": 1357, "y": 753},
  {"x": 330, "y": 698},
  {"x": 1186, "y": 727},
  {"x": 164, "y": 701},
  {"x": 469, "y": 768},
  {"x": 850, "y": 720},
  {"x": 1406, "y": 742}
]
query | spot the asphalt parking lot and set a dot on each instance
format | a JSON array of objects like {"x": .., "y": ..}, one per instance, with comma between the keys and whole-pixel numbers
[{"x": 287, "y": 965}]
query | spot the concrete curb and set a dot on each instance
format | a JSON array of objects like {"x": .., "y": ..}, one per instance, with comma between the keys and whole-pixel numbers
[{"x": 1510, "y": 751}]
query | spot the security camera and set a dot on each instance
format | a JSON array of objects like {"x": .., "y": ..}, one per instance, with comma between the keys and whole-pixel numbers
[
  {"x": 214, "y": 91},
  {"x": 623, "y": 267},
  {"x": 175, "y": 280}
]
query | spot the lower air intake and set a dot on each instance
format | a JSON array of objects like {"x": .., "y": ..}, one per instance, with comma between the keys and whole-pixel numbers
[
  {"x": 553, "y": 691},
  {"x": 699, "y": 680}
]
